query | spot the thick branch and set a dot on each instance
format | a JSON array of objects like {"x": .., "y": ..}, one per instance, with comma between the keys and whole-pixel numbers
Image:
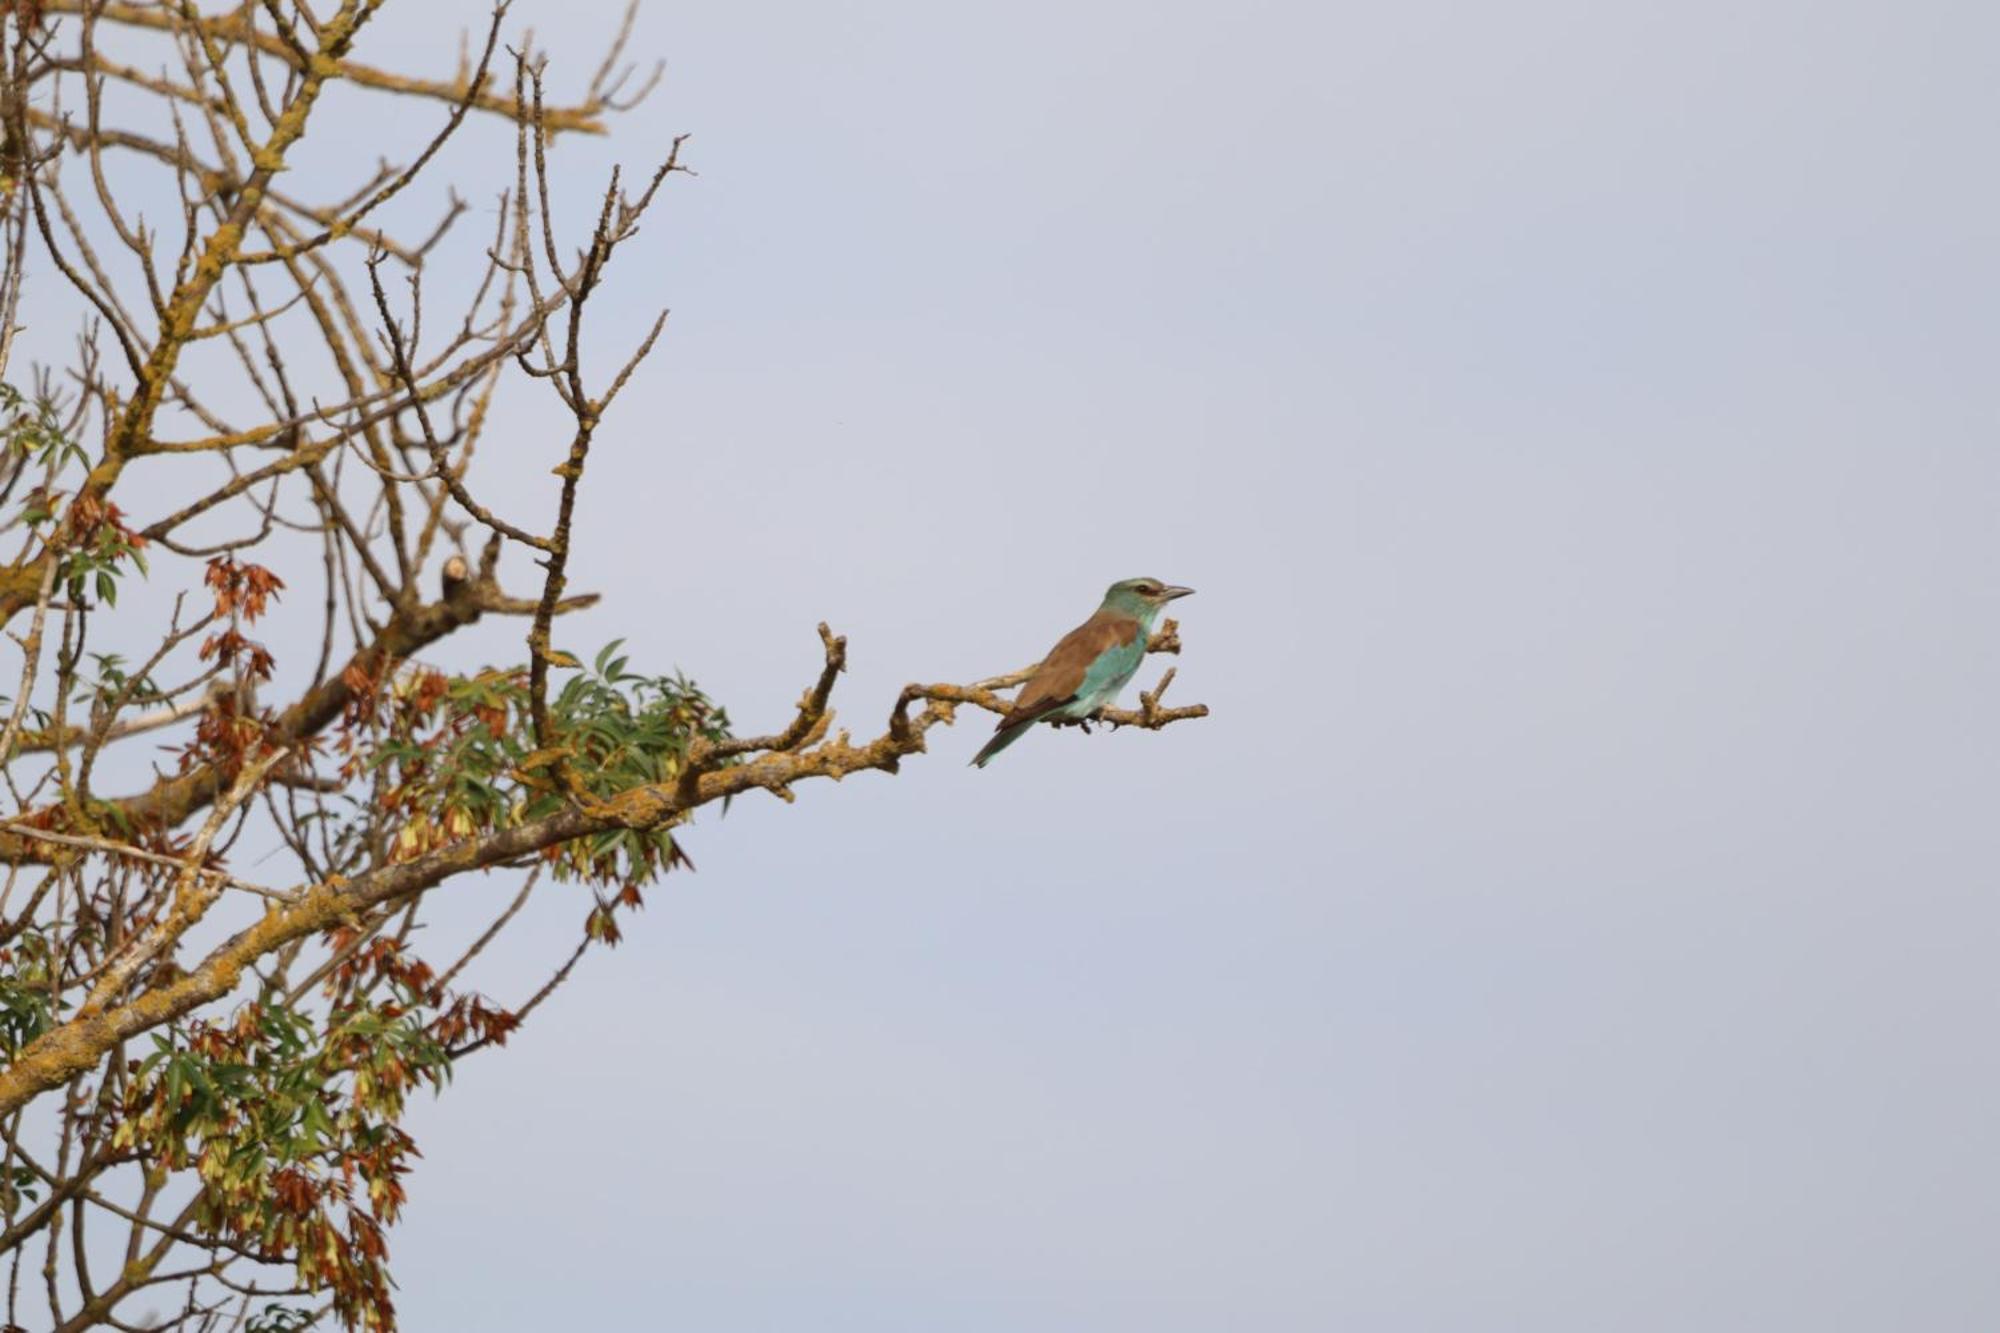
[
  {"x": 77, "y": 1045},
  {"x": 236, "y": 27}
]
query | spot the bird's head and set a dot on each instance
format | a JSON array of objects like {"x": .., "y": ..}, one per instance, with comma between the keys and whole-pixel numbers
[{"x": 1142, "y": 598}]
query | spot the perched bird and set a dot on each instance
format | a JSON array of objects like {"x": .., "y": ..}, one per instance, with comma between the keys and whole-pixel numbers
[{"x": 1085, "y": 671}]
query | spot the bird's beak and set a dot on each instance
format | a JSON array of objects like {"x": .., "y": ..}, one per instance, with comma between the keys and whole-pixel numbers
[{"x": 1168, "y": 594}]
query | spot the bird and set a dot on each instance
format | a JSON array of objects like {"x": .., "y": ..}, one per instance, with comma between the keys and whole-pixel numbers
[{"x": 1089, "y": 665}]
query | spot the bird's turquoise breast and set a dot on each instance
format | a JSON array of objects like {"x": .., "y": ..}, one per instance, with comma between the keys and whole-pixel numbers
[{"x": 1107, "y": 675}]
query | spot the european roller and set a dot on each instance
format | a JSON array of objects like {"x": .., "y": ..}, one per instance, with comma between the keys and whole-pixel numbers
[{"x": 1085, "y": 671}]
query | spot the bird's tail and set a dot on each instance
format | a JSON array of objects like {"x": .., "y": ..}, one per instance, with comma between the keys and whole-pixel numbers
[{"x": 1002, "y": 738}]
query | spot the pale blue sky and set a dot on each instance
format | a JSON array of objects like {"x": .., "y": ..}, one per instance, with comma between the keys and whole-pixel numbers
[{"x": 1579, "y": 912}]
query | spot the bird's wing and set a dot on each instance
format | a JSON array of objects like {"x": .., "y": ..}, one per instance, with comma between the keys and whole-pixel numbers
[{"x": 1062, "y": 673}]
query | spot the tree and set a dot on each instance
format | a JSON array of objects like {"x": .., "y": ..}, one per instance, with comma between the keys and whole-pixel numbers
[{"x": 205, "y": 1071}]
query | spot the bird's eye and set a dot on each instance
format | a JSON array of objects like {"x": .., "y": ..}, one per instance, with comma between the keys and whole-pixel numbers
[{"x": 1150, "y": 589}]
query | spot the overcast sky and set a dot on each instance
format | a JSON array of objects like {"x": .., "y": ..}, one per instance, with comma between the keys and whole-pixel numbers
[{"x": 1579, "y": 912}]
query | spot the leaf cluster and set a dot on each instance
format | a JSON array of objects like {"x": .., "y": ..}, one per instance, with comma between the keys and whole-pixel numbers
[{"x": 459, "y": 757}]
